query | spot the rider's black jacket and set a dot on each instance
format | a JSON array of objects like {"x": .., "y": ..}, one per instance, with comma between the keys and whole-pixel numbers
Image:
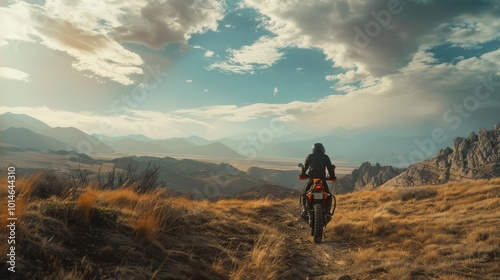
[{"x": 316, "y": 164}]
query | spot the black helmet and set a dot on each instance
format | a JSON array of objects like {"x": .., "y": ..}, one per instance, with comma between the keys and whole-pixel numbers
[{"x": 318, "y": 147}]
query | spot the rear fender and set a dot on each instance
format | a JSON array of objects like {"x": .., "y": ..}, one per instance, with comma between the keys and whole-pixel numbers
[{"x": 317, "y": 188}]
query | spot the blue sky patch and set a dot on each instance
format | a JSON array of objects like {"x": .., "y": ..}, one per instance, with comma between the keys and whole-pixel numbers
[{"x": 449, "y": 53}]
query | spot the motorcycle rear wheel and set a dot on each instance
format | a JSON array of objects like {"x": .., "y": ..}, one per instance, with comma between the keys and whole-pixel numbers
[{"x": 318, "y": 223}]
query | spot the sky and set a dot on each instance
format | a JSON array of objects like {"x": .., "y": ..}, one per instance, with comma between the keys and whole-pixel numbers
[{"x": 174, "y": 68}]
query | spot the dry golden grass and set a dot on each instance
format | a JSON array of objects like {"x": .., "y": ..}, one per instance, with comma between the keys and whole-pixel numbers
[
  {"x": 445, "y": 232},
  {"x": 147, "y": 226},
  {"x": 264, "y": 259},
  {"x": 429, "y": 232},
  {"x": 120, "y": 198},
  {"x": 120, "y": 234},
  {"x": 86, "y": 203},
  {"x": 152, "y": 216}
]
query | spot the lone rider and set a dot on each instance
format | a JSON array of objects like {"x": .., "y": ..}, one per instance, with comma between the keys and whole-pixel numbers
[{"x": 316, "y": 163}]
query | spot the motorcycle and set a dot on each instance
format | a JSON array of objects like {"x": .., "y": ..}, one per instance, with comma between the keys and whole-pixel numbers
[{"x": 315, "y": 211}]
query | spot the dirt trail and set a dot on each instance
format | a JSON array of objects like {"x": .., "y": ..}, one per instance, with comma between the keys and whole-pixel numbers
[{"x": 305, "y": 259}]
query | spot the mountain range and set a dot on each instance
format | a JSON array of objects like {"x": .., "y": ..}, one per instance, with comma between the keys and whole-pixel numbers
[
  {"x": 350, "y": 146},
  {"x": 23, "y": 131},
  {"x": 474, "y": 157}
]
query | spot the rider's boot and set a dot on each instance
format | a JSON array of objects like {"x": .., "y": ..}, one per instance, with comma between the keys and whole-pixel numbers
[
  {"x": 328, "y": 207},
  {"x": 328, "y": 217},
  {"x": 303, "y": 208},
  {"x": 303, "y": 212}
]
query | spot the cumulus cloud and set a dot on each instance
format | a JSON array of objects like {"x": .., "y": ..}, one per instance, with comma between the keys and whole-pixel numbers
[
  {"x": 92, "y": 31},
  {"x": 93, "y": 51},
  {"x": 392, "y": 30},
  {"x": 13, "y": 74},
  {"x": 260, "y": 55},
  {"x": 230, "y": 67},
  {"x": 389, "y": 79},
  {"x": 208, "y": 54},
  {"x": 161, "y": 22},
  {"x": 416, "y": 93}
]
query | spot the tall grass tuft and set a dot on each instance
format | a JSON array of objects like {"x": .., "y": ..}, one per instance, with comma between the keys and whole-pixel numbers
[
  {"x": 147, "y": 226},
  {"x": 86, "y": 203},
  {"x": 264, "y": 261}
]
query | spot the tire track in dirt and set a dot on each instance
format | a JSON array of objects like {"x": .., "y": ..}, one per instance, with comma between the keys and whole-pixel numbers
[{"x": 303, "y": 258}]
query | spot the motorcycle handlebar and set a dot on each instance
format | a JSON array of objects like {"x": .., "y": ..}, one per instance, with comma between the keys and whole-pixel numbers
[{"x": 331, "y": 179}]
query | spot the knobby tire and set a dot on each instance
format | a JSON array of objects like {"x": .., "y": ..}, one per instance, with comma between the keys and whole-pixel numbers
[{"x": 318, "y": 223}]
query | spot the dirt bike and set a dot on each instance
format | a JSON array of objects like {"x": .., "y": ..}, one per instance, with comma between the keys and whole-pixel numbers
[{"x": 315, "y": 210}]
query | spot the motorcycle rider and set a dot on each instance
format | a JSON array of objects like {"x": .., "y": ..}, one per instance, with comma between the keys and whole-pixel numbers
[{"x": 316, "y": 163}]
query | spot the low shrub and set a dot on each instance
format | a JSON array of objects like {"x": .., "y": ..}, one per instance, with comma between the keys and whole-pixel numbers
[
  {"x": 48, "y": 185},
  {"x": 416, "y": 193}
]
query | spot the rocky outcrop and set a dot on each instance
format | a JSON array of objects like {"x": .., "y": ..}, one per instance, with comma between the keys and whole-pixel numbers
[
  {"x": 367, "y": 176},
  {"x": 474, "y": 157}
]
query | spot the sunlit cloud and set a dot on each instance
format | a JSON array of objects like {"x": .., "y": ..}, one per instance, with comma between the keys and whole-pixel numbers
[
  {"x": 208, "y": 54},
  {"x": 13, "y": 74},
  {"x": 298, "y": 24},
  {"x": 394, "y": 79},
  {"x": 394, "y": 100},
  {"x": 93, "y": 31},
  {"x": 264, "y": 53}
]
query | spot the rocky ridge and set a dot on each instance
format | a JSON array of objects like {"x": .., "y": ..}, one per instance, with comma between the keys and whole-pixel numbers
[
  {"x": 367, "y": 176},
  {"x": 471, "y": 158}
]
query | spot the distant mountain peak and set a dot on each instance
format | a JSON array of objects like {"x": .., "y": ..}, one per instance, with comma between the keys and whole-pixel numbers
[
  {"x": 9, "y": 119},
  {"x": 197, "y": 140},
  {"x": 25, "y": 138},
  {"x": 75, "y": 137}
]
